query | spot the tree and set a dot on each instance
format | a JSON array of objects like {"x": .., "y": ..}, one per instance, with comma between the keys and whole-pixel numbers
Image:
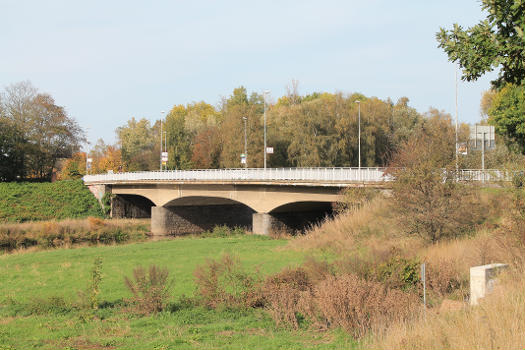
[
  {"x": 11, "y": 153},
  {"x": 507, "y": 114},
  {"x": 495, "y": 42},
  {"x": 427, "y": 200},
  {"x": 179, "y": 139},
  {"x": 44, "y": 131},
  {"x": 138, "y": 143}
]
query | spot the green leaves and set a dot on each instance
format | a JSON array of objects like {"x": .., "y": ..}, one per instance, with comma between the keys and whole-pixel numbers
[{"x": 496, "y": 42}]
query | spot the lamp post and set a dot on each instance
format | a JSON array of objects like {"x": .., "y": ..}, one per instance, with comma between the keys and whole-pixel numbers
[
  {"x": 245, "y": 144},
  {"x": 359, "y": 132},
  {"x": 162, "y": 115},
  {"x": 264, "y": 98}
]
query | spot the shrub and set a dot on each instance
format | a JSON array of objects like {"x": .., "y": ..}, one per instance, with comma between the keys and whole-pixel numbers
[
  {"x": 224, "y": 282},
  {"x": 356, "y": 305},
  {"x": 150, "y": 290},
  {"x": 399, "y": 272},
  {"x": 282, "y": 293}
]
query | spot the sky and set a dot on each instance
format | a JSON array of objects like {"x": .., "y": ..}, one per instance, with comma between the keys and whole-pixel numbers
[{"x": 108, "y": 61}]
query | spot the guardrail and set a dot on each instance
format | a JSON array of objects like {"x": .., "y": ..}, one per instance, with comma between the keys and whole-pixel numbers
[
  {"x": 282, "y": 174},
  {"x": 251, "y": 174}
]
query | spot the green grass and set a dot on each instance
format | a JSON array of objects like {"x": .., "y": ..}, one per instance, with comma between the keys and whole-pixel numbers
[
  {"x": 27, "y": 201},
  {"x": 28, "y": 277}
]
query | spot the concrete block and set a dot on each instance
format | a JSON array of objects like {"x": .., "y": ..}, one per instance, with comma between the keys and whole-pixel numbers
[{"x": 482, "y": 280}]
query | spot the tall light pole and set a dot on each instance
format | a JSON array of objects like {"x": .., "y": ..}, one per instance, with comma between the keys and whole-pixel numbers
[
  {"x": 359, "y": 132},
  {"x": 264, "y": 98},
  {"x": 457, "y": 166},
  {"x": 162, "y": 115},
  {"x": 245, "y": 144}
]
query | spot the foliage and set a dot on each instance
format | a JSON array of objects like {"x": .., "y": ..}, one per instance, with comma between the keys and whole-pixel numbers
[
  {"x": 35, "y": 133},
  {"x": 225, "y": 283},
  {"x": 151, "y": 290},
  {"x": 507, "y": 114},
  {"x": 21, "y": 202},
  {"x": 427, "y": 199},
  {"x": 494, "y": 42},
  {"x": 139, "y": 144},
  {"x": 399, "y": 272},
  {"x": 11, "y": 154}
]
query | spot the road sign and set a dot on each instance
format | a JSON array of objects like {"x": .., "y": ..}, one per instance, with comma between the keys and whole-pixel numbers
[
  {"x": 164, "y": 157},
  {"x": 480, "y": 134},
  {"x": 269, "y": 150}
]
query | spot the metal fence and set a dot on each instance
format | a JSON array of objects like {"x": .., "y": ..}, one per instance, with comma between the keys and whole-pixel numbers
[
  {"x": 255, "y": 174},
  {"x": 342, "y": 175}
]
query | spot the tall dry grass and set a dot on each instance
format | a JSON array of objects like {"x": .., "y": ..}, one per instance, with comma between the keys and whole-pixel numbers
[
  {"x": 345, "y": 230},
  {"x": 49, "y": 234},
  {"x": 497, "y": 323}
]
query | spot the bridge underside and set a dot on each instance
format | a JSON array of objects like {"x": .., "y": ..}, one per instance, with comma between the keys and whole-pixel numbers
[{"x": 189, "y": 209}]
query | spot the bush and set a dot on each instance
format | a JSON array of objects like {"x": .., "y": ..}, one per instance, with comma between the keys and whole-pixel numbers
[
  {"x": 399, "y": 272},
  {"x": 225, "y": 283},
  {"x": 282, "y": 293},
  {"x": 356, "y": 305},
  {"x": 151, "y": 290}
]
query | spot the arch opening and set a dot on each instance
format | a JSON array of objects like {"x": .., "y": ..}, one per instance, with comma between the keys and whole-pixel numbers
[
  {"x": 297, "y": 217},
  {"x": 130, "y": 206},
  {"x": 197, "y": 214}
]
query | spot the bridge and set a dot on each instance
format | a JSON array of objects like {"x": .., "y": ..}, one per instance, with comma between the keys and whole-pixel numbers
[{"x": 262, "y": 200}]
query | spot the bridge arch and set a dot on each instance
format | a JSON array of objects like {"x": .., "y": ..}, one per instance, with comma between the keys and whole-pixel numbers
[{"x": 131, "y": 206}]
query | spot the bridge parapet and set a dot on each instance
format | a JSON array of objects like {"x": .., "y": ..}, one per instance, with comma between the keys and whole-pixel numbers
[
  {"x": 328, "y": 175},
  {"x": 337, "y": 176}
]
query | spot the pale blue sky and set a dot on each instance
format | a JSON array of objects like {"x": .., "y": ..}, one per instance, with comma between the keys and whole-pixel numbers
[{"x": 107, "y": 61}]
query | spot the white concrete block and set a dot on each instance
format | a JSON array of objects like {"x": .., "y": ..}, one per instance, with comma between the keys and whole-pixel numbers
[{"x": 482, "y": 280}]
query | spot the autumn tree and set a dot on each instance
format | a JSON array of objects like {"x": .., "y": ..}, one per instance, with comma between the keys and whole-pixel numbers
[
  {"x": 44, "y": 131},
  {"x": 138, "y": 142},
  {"x": 427, "y": 199}
]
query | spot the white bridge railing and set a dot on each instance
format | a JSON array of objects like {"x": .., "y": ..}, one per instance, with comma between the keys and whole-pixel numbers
[{"x": 342, "y": 175}]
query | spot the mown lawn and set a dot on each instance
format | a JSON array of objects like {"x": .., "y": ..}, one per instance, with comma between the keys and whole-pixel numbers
[{"x": 27, "y": 278}]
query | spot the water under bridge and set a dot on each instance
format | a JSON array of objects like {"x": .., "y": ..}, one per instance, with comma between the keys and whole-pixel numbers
[{"x": 261, "y": 200}]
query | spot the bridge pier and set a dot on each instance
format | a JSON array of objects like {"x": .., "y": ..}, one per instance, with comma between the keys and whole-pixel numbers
[{"x": 264, "y": 224}]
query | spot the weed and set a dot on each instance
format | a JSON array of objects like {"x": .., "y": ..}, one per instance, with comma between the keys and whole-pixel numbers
[
  {"x": 150, "y": 290},
  {"x": 225, "y": 283}
]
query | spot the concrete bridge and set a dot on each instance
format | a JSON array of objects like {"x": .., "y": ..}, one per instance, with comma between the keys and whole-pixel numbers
[{"x": 262, "y": 200}]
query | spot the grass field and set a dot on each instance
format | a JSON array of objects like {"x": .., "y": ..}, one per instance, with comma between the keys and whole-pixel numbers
[{"x": 31, "y": 281}]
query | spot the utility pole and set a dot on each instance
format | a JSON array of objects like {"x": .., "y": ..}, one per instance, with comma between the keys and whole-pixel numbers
[
  {"x": 264, "y": 98},
  {"x": 245, "y": 144},
  {"x": 359, "y": 132}
]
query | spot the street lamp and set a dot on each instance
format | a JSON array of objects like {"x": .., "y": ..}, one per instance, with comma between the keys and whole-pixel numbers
[
  {"x": 162, "y": 113},
  {"x": 359, "y": 133},
  {"x": 266, "y": 92},
  {"x": 245, "y": 144}
]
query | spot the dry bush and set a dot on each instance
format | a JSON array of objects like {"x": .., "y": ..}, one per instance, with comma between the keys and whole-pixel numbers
[
  {"x": 225, "y": 283},
  {"x": 356, "y": 305},
  {"x": 497, "y": 323},
  {"x": 151, "y": 289},
  {"x": 282, "y": 293}
]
